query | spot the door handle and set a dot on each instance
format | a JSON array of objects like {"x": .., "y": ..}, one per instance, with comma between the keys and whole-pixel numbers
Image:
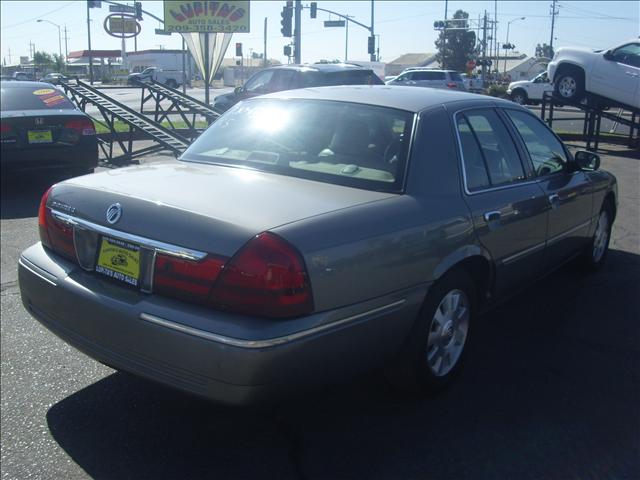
[
  {"x": 554, "y": 200},
  {"x": 492, "y": 216}
]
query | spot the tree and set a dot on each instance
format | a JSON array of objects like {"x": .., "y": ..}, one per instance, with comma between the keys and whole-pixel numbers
[
  {"x": 58, "y": 61},
  {"x": 42, "y": 58},
  {"x": 460, "y": 43}
]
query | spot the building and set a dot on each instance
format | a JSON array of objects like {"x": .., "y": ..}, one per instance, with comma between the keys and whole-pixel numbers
[
  {"x": 410, "y": 60},
  {"x": 161, "y": 59}
]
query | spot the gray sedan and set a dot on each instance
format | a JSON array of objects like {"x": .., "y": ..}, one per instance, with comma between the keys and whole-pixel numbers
[{"x": 312, "y": 234}]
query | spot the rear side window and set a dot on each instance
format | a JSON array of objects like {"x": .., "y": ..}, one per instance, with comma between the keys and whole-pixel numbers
[
  {"x": 34, "y": 98},
  {"x": 352, "y": 77},
  {"x": 455, "y": 77},
  {"x": 546, "y": 152},
  {"x": 428, "y": 75},
  {"x": 489, "y": 155}
]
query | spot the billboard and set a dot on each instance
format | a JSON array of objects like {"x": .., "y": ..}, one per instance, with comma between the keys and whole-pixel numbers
[{"x": 206, "y": 17}]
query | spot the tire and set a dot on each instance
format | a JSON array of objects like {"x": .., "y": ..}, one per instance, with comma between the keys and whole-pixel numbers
[
  {"x": 434, "y": 352},
  {"x": 171, "y": 83},
  {"x": 520, "y": 97},
  {"x": 569, "y": 84},
  {"x": 595, "y": 254}
]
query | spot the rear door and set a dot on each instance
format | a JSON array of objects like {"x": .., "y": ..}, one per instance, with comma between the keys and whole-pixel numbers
[
  {"x": 568, "y": 193},
  {"x": 433, "y": 79},
  {"x": 509, "y": 209}
]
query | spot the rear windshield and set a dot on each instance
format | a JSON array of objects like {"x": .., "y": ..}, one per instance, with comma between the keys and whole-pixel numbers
[
  {"x": 34, "y": 98},
  {"x": 352, "y": 77},
  {"x": 342, "y": 143}
]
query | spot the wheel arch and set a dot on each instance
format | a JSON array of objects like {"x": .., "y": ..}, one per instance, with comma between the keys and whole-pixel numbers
[
  {"x": 568, "y": 65},
  {"x": 476, "y": 262}
]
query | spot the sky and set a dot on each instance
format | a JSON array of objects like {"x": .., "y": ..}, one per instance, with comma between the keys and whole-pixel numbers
[{"x": 402, "y": 26}]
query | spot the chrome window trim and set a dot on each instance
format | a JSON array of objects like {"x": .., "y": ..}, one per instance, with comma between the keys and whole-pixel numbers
[
  {"x": 266, "y": 343},
  {"x": 158, "y": 246},
  {"x": 528, "y": 181}
]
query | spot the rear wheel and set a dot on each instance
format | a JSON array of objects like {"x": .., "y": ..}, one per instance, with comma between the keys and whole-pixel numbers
[
  {"x": 596, "y": 253},
  {"x": 434, "y": 351},
  {"x": 171, "y": 83},
  {"x": 569, "y": 84},
  {"x": 520, "y": 97}
]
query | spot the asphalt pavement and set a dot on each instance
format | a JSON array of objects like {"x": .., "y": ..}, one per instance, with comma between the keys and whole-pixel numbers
[{"x": 551, "y": 389}]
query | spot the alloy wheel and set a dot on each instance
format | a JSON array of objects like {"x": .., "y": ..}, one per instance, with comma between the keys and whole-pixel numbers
[{"x": 448, "y": 332}]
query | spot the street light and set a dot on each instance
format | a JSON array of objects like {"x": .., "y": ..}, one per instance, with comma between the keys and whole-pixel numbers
[
  {"x": 507, "y": 42},
  {"x": 59, "y": 35}
]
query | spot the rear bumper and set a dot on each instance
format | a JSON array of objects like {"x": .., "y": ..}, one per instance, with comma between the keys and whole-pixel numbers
[
  {"x": 53, "y": 158},
  {"x": 224, "y": 357}
]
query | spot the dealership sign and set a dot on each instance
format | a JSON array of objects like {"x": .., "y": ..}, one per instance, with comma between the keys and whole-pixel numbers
[
  {"x": 122, "y": 25},
  {"x": 206, "y": 17}
]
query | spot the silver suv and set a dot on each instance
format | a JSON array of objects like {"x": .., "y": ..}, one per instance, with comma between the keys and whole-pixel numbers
[{"x": 429, "y": 77}]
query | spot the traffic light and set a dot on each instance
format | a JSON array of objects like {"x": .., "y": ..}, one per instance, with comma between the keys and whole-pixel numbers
[
  {"x": 138, "y": 7},
  {"x": 238, "y": 49},
  {"x": 314, "y": 9},
  {"x": 287, "y": 50},
  {"x": 438, "y": 25},
  {"x": 287, "y": 15},
  {"x": 371, "y": 45}
]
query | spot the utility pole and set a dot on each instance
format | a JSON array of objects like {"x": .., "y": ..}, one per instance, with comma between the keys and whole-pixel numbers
[
  {"x": 264, "y": 58},
  {"x": 373, "y": 53},
  {"x": 444, "y": 36},
  {"x": 495, "y": 30},
  {"x": 297, "y": 33},
  {"x": 89, "y": 42},
  {"x": 66, "y": 46},
  {"x": 9, "y": 55},
  {"x": 554, "y": 12},
  {"x": 484, "y": 47}
]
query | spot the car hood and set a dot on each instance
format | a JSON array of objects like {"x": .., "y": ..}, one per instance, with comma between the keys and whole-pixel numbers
[
  {"x": 225, "y": 98},
  {"x": 205, "y": 207},
  {"x": 513, "y": 85}
]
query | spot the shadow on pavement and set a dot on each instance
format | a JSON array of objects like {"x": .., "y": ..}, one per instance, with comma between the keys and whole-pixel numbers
[
  {"x": 551, "y": 389},
  {"x": 21, "y": 193}
]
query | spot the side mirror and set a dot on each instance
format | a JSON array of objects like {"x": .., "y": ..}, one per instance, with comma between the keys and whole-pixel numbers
[
  {"x": 238, "y": 90},
  {"x": 587, "y": 161},
  {"x": 608, "y": 55}
]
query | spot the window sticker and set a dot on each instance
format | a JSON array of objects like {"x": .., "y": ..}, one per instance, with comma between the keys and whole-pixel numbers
[{"x": 50, "y": 97}]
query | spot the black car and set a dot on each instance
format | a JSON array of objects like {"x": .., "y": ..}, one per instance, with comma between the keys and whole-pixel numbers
[
  {"x": 289, "y": 77},
  {"x": 42, "y": 129}
]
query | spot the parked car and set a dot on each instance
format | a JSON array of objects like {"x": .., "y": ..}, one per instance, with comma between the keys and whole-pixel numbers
[
  {"x": 288, "y": 77},
  {"x": 171, "y": 78},
  {"x": 613, "y": 74},
  {"x": 428, "y": 77},
  {"x": 525, "y": 92},
  {"x": 54, "y": 78},
  {"x": 472, "y": 83},
  {"x": 23, "y": 76},
  {"x": 42, "y": 130},
  {"x": 313, "y": 234}
]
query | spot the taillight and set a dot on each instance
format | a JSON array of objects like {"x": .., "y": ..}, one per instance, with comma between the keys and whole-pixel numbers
[
  {"x": 56, "y": 235},
  {"x": 5, "y": 127},
  {"x": 186, "y": 279},
  {"x": 267, "y": 277},
  {"x": 452, "y": 85},
  {"x": 42, "y": 219},
  {"x": 83, "y": 126}
]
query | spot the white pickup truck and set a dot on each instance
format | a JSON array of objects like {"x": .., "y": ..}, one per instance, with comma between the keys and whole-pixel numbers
[
  {"x": 612, "y": 74},
  {"x": 171, "y": 78},
  {"x": 529, "y": 91}
]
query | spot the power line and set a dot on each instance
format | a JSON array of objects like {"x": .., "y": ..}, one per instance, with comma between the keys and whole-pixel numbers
[{"x": 39, "y": 16}]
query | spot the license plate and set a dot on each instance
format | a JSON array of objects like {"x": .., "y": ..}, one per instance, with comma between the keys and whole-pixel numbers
[
  {"x": 119, "y": 260},
  {"x": 40, "y": 136}
]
